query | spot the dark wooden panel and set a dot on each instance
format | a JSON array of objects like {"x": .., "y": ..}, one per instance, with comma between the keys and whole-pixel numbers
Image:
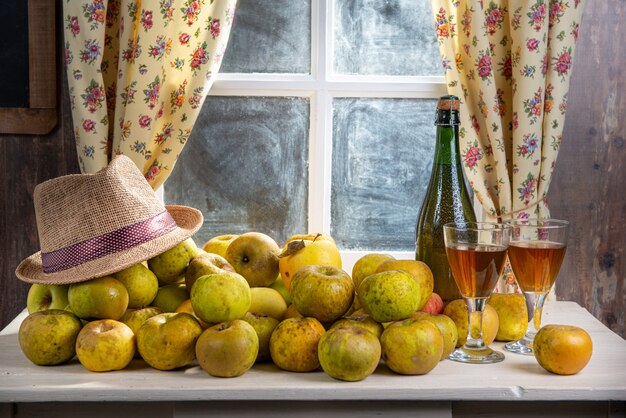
[
  {"x": 25, "y": 161},
  {"x": 588, "y": 186}
]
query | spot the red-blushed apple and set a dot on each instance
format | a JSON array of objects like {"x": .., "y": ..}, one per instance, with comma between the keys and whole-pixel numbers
[
  {"x": 168, "y": 341},
  {"x": 228, "y": 349},
  {"x": 322, "y": 292},
  {"x": 411, "y": 346},
  {"x": 204, "y": 264},
  {"x": 349, "y": 353},
  {"x": 254, "y": 255},
  {"x": 169, "y": 297},
  {"x": 220, "y": 297},
  {"x": 434, "y": 306},
  {"x": 46, "y": 296},
  {"x": 293, "y": 344},
  {"x": 267, "y": 301},
  {"x": 219, "y": 244},
  {"x": 48, "y": 337},
  {"x": 105, "y": 345},
  {"x": 141, "y": 283},
  {"x": 101, "y": 298},
  {"x": 264, "y": 326}
]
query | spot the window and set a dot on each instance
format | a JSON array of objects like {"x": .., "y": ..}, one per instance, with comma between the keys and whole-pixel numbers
[{"x": 321, "y": 119}]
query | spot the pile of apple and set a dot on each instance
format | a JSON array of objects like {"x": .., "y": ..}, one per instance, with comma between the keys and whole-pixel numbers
[{"x": 242, "y": 299}]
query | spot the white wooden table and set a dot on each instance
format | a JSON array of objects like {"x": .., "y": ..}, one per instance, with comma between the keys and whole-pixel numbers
[{"x": 516, "y": 387}]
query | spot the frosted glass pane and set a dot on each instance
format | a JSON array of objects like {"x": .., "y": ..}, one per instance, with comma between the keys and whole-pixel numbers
[
  {"x": 245, "y": 167},
  {"x": 270, "y": 37},
  {"x": 392, "y": 37},
  {"x": 382, "y": 157}
]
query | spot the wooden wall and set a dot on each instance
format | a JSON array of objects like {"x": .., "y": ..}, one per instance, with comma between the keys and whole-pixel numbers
[{"x": 588, "y": 188}]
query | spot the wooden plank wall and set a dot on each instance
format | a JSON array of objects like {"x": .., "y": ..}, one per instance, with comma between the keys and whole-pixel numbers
[{"x": 588, "y": 187}]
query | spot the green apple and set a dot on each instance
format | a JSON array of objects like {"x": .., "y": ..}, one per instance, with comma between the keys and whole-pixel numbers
[
  {"x": 389, "y": 295},
  {"x": 363, "y": 321},
  {"x": 220, "y": 297},
  {"x": 101, "y": 298},
  {"x": 422, "y": 274},
  {"x": 135, "y": 318},
  {"x": 48, "y": 337},
  {"x": 264, "y": 326},
  {"x": 170, "y": 266},
  {"x": 167, "y": 341},
  {"x": 279, "y": 285},
  {"x": 218, "y": 245},
  {"x": 323, "y": 292},
  {"x": 141, "y": 283},
  {"x": 367, "y": 265},
  {"x": 349, "y": 353},
  {"x": 293, "y": 344},
  {"x": 228, "y": 349},
  {"x": 412, "y": 346},
  {"x": 203, "y": 264},
  {"x": 255, "y": 256},
  {"x": 105, "y": 345},
  {"x": 169, "y": 297},
  {"x": 446, "y": 326},
  {"x": 46, "y": 296},
  {"x": 267, "y": 301}
]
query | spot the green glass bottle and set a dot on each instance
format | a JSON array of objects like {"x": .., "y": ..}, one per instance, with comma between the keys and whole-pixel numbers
[{"x": 446, "y": 200}]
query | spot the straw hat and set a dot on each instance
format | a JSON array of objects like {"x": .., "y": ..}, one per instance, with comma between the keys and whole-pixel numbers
[{"x": 92, "y": 225}]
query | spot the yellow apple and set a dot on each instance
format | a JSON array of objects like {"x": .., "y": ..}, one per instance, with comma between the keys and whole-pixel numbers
[
  {"x": 562, "y": 349},
  {"x": 446, "y": 326},
  {"x": 412, "y": 346},
  {"x": 267, "y": 301},
  {"x": 228, "y": 349},
  {"x": 205, "y": 263},
  {"x": 306, "y": 250},
  {"x": 347, "y": 353},
  {"x": 293, "y": 345},
  {"x": 389, "y": 295},
  {"x": 255, "y": 256},
  {"x": 105, "y": 345},
  {"x": 512, "y": 315},
  {"x": 219, "y": 244},
  {"x": 457, "y": 311},
  {"x": 264, "y": 326},
  {"x": 169, "y": 297},
  {"x": 167, "y": 341},
  {"x": 221, "y": 297},
  {"x": 141, "y": 284}
]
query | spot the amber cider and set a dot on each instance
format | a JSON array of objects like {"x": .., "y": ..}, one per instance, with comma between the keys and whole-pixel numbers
[
  {"x": 536, "y": 264},
  {"x": 476, "y": 267}
]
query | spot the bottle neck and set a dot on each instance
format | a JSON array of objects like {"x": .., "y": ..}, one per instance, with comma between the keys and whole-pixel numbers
[{"x": 447, "y": 148}]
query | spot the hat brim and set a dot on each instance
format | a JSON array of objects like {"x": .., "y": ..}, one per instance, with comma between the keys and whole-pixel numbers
[{"x": 188, "y": 221}]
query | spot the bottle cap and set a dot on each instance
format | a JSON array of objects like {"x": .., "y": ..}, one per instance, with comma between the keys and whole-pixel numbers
[{"x": 448, "y": 111}]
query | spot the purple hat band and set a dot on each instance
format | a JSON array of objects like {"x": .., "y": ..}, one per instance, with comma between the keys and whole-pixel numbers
[{"x": 112, "y": 242}]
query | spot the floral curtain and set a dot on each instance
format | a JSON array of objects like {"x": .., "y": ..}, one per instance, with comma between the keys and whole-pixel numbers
[
  {"x": 510, "y": 62},
  {"x": 138, "y": 74}
]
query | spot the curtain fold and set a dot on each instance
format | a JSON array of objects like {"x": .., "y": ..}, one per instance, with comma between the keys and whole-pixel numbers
[
  {"x": 138, "y": 74},
  {"x": 510, "y": 62}
]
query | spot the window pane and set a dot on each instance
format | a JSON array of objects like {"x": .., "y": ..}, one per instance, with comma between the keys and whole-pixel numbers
[
  {"x": 245, "y": 167},
  {"x": 270, "y": 37},
  {"x": 393, "y": 37},
  {"x": 382, "y": 157}
]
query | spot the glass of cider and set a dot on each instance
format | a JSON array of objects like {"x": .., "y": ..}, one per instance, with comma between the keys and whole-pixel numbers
[
  {"x": 536, "y": 251},
  {"x": 477, "y": 253}
]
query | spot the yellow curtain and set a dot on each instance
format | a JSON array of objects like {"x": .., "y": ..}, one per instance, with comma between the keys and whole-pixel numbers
[
  {"x": 138, "y": 73},
  {"x": 510, "y": 62}
]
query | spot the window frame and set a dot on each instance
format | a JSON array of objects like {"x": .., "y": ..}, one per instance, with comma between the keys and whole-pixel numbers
[{"x": 321, "y": 87}]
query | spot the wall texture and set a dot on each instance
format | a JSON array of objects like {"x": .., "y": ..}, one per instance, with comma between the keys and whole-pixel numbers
[{"x": 588, "y": 187}]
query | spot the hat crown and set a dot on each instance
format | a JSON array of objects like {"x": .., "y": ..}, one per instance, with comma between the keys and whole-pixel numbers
[{"x": 75, "y": 208}]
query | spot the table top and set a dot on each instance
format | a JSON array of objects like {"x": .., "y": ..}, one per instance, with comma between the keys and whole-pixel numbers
[{"x": 518, "y": 377}]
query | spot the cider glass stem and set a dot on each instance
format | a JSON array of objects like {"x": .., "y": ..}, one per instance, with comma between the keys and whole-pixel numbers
[{"x": 475, "y": 305}]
